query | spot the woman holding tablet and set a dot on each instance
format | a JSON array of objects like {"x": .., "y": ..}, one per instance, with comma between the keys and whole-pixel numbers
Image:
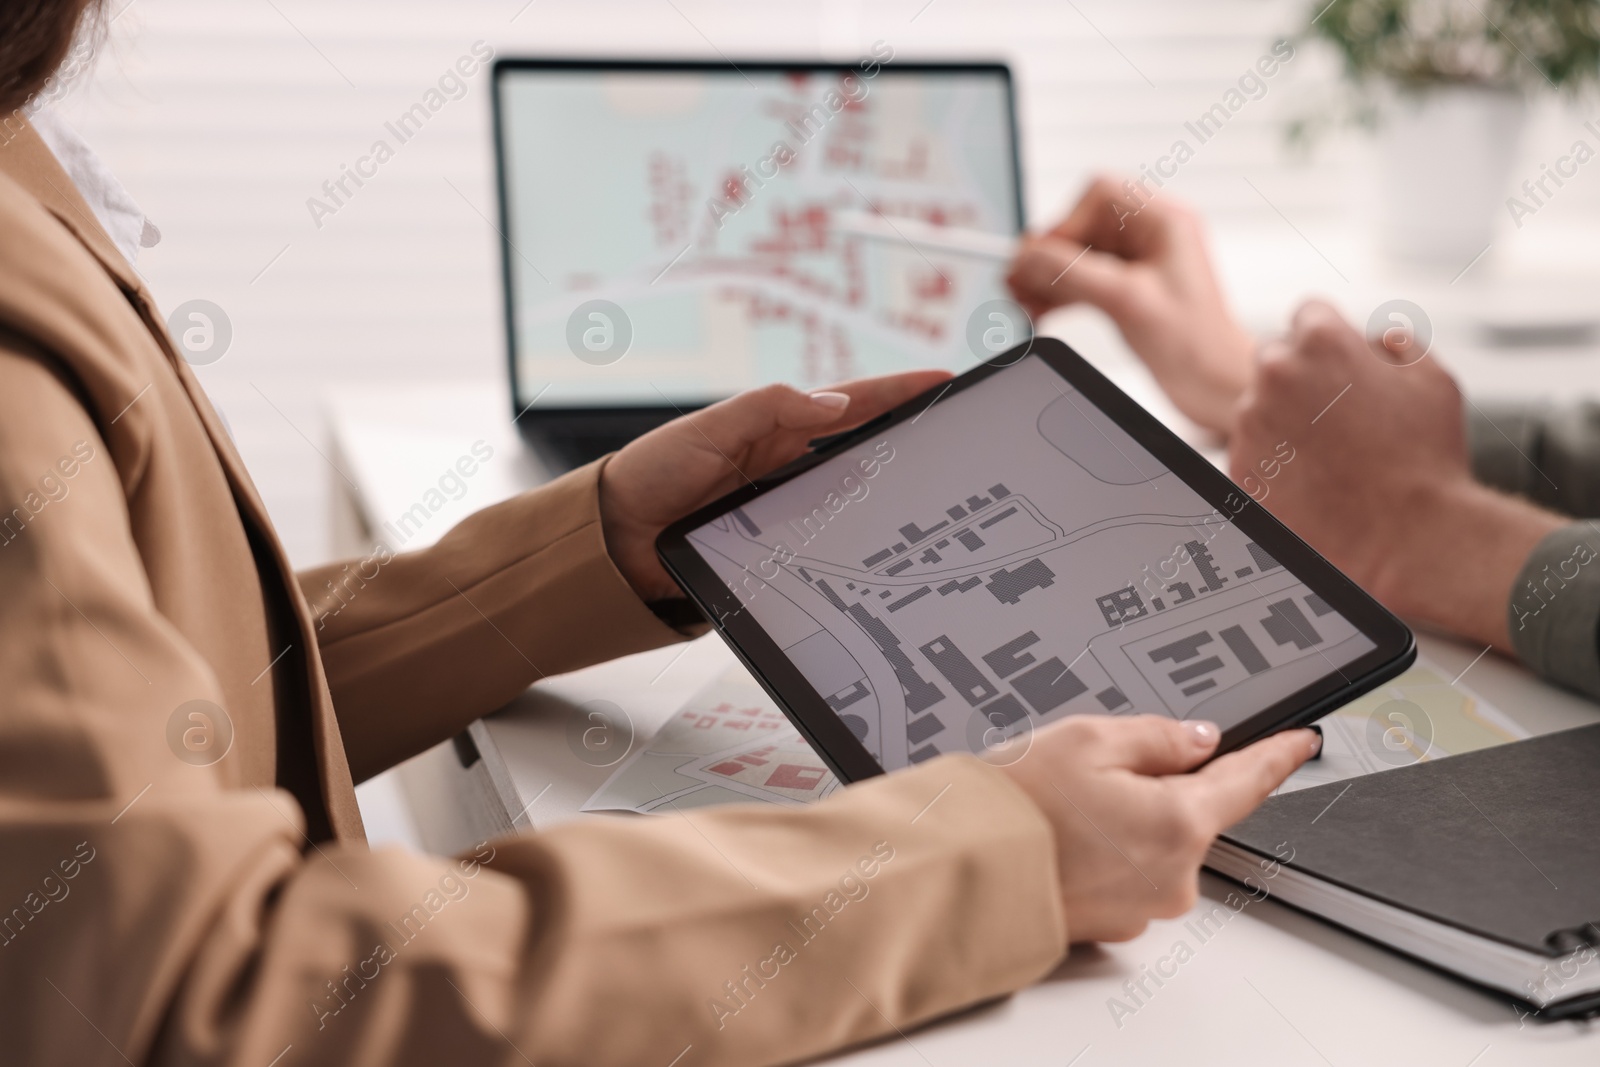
[{"x": 186, "y": 878}]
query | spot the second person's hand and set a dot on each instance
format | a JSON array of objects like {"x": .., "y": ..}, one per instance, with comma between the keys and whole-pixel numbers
[
  {"x": 1150, "y": 270},
  {"x": 1382, "y": 481}
]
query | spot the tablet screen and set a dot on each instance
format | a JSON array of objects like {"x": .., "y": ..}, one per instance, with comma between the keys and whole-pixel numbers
[{"x": 1013, "y": 560}]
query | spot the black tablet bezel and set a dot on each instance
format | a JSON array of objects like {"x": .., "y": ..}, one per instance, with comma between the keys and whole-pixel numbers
[
  {"x": 849, "y": 759},
  {"x": 508, "y": 65}
]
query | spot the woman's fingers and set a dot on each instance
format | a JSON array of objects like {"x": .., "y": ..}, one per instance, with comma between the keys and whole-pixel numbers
[
  {"x": 1231, "y": 786},
  {"x": 757, "y": 416},
  {"x": 871, "y": 397},
  {"x": 1157, "y": 745}
]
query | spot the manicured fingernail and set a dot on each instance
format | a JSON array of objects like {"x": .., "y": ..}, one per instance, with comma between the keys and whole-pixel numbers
[
  {"x": 1315, "y": 742},
  {"x": 836, "y": 401},
  {"x": 1204, "y": 734}
]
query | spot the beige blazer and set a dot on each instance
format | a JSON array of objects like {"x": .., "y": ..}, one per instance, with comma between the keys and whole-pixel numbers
[{"x": 159, "y": 904}]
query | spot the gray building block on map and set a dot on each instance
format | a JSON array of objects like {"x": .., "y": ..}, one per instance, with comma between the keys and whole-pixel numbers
[
  {"x": 1006, "y": 661},
  {"x": 962, "y": 674},
  {"x": 1048, "y": 686},
  {"x": 1009, "y": 585}
]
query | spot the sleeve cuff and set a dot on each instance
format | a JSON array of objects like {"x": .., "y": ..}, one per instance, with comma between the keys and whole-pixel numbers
[
  {"x": 1504, "y": 445},
  {"x": 960, "y": 805},
  {"x": 1554, "y": 614},
  {"x": 600, "y": 601}
]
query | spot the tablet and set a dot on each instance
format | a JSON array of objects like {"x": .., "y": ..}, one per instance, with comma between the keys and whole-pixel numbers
[{"x": 1018, "y": 545}]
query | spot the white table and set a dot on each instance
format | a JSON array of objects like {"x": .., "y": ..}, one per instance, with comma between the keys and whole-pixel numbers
[{"x": 1273, "y": 986}]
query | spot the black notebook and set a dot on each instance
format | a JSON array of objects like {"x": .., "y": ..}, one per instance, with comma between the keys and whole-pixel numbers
[{"x": 1486, "y": 864}]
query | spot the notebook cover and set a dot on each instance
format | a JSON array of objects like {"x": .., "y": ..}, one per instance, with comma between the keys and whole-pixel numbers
[{"x": 1503, "y": 842}]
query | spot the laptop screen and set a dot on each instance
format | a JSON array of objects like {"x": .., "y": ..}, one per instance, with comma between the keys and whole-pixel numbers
[{"x": 676, "y": 232}]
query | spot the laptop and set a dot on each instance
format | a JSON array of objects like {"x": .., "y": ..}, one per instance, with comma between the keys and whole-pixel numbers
[{"x": 676, "y": 232}]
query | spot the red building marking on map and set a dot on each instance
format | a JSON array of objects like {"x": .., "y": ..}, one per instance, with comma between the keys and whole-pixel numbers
[
  {"x": 794, "y": 247},
  {"x": 756, "y": 757},
  {"x": 794, "y": 776},
  {"x": 669, "y": 198}
]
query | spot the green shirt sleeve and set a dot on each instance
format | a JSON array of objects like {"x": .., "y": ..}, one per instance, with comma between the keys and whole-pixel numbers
[
  {"x": 1550, "y": 454},
  {"x": 1547, "y": 453},
  {"x": 1555, "y": 608}
]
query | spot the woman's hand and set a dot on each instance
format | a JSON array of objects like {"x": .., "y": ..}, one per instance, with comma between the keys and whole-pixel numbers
[
  {"x": 693, "y": 460},
  {"x": 1149, "y": 269},
  {"x": 1131, "y": 827}
]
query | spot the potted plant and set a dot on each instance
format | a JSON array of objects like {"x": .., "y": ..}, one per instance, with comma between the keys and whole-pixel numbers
[{"x": 1447, "y": 83}]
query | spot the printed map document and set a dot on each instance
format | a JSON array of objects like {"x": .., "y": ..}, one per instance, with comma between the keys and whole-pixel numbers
[
  {"x": 728, "y": 745},
  {"x": 1418, "y": 716},
  {"x": 731, "y": 744}
]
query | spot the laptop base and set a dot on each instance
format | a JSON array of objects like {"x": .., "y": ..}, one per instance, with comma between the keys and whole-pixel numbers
[{"x": 565, "y": 440}]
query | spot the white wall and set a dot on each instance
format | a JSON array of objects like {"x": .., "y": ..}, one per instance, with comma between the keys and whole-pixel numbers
[{"x": 223, "y": 117}]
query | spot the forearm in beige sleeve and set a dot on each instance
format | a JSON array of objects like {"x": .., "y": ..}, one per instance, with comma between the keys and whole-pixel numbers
[
  {"x": 739, "y": 935},
  {"x": 416, "y": 645}
]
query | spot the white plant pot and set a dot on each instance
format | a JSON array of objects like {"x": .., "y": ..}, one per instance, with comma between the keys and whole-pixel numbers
[{"x": 1444, "y": 170}]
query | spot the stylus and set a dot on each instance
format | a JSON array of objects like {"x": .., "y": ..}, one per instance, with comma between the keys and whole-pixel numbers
[{"x": 919, "y": 234}]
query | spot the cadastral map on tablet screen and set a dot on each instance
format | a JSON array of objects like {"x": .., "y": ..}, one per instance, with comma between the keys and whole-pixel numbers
[{"x": 1010, "y": 559}]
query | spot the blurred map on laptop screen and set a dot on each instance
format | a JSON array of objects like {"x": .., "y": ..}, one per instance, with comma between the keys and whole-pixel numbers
[{"x": 682, "y": 231}]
